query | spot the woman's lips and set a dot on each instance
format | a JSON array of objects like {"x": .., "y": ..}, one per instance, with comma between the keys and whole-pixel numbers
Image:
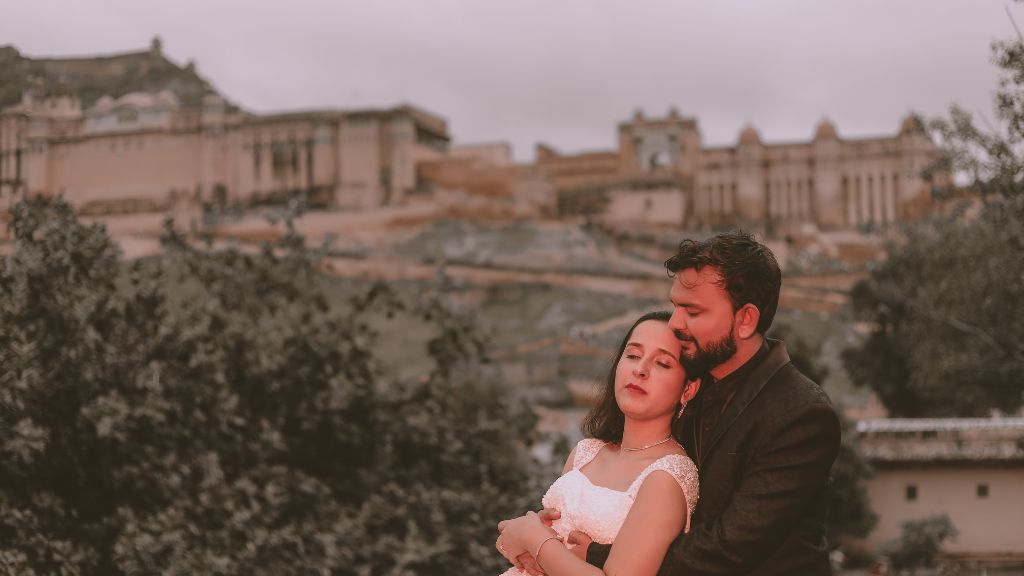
[{"x": 636, "y": 389}]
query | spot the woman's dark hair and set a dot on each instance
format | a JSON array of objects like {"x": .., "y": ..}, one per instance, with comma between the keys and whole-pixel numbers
[
  {"x": 750, "y": 273},
  {"x": 605, "y": 421}
]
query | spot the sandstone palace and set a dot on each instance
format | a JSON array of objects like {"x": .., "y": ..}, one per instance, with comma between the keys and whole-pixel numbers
[{"x": 136, "y": 132}]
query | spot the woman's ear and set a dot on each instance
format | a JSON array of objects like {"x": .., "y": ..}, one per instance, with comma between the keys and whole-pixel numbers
[{"x": 690, "y": 390}]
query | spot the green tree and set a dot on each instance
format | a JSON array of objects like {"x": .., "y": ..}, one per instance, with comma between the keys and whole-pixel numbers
[
  {"x": 216, "y": 412},
  {"x": 947, "y": 333},
  {"x": 920, "y": 543},
  {"x": 849, "y": 508}
]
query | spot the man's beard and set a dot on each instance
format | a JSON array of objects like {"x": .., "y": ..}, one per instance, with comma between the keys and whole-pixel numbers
[{"x": 706, "y": 358}]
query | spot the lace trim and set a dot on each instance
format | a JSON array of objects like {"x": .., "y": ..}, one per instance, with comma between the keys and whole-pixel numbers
[
  {"x": 679, "y": 466},
  {"x": 682, "y": 469},
  {"x": 586, "y": 449}
]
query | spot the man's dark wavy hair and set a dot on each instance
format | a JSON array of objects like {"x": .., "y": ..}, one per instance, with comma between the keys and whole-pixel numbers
[
  {"x": 605, "y": 421},
  {"x": 750, "y": 273}
]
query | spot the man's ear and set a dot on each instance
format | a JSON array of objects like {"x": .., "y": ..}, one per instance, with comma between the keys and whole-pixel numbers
[
  {"x": 746, "y": 320},
  {"x": 690, "y": 390}
]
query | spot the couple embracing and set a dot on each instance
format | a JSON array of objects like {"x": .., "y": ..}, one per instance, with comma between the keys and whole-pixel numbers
[{"x": 708, "y": 452}]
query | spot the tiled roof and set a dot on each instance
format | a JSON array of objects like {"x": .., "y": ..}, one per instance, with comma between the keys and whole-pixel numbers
[
  {"x": 939, "y": 424},
  {"x": 934, "y": 440}
]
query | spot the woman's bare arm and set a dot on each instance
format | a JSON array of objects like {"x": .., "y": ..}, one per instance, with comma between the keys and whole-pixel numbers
[{"x": 657, "y": 516}]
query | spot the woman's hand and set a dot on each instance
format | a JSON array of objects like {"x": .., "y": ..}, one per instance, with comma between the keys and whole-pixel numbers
[
  {"x": 522, "y": 534},
  {"x": 524, "y": 560},
  {"x": 524, "y": 529},
  {"x": 511, "y": 550}
]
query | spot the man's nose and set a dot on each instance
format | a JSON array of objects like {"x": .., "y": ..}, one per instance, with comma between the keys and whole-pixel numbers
[{"x": 677, "y": 322}]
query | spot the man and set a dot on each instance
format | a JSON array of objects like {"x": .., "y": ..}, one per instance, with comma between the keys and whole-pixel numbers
[{"x": 762, "y": 434}]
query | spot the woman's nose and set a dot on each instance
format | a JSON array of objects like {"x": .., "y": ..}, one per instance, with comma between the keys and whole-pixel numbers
[{"x": 640, "y": 369}]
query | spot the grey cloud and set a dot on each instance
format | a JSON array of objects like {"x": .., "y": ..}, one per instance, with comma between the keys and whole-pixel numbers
[{"x": 563, "y": 72}]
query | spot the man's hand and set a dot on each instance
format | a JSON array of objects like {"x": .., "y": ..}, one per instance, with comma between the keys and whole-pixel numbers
[
  {"x": 528, "y": 564},
  {"x": 579, "y": 542},
  {"x": 549, "y": 515}
]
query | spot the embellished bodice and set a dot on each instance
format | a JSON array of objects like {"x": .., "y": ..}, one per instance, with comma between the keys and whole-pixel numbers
[{"x": 599, "y": 511}]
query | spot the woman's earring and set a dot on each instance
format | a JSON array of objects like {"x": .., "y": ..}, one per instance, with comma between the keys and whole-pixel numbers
[{"x": 682, "y": 406}]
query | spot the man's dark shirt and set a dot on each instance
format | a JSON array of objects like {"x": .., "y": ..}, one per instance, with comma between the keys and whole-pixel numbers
[{"x": 715, "y": 397}]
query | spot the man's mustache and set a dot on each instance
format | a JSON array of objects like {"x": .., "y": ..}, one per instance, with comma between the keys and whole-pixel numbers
[{"x": 683, "y": 337}]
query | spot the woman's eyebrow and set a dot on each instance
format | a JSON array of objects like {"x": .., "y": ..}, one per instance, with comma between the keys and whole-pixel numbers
[{"x": 659, "y": 349}]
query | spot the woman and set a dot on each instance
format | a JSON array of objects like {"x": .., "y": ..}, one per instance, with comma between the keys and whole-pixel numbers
[{"x": 630, "y": 482}]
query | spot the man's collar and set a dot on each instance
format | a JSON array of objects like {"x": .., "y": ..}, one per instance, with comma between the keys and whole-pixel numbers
[
  {"x": 744, "y": 369},
  {"x": 761, "y": 369}
]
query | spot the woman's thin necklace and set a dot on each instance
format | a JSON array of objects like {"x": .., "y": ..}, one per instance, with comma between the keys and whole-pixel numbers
[{"x": 646, "y": 446}]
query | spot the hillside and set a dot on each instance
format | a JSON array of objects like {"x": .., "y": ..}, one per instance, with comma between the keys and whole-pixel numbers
[{"x": 91, "y": 77}]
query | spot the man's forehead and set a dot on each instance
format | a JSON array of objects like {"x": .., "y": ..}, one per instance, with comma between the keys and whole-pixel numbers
[
  {"x": 690, "y": 281},
  {"x": 691, "y": 277}
]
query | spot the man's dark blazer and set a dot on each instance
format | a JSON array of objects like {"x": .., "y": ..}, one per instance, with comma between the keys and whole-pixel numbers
[{"x": 763, "y": 475}]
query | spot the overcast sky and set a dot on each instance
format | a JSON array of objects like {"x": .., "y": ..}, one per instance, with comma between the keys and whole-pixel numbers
[{"x": 564, "y": 72}]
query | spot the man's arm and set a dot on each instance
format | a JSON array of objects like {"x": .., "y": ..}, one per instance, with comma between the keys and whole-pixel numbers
[
  {"x": 597, "y": 554},
  {"x": 787, "y": 472}
]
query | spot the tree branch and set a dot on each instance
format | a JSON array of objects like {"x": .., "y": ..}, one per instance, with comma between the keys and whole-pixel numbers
[
  {"x": 1014, "y": 23},
  {"x": 976, "y": 331}
]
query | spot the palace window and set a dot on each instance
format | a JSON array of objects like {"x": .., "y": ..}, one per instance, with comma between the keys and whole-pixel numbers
[
  {"x": 257, "y": 152},
  {"x": 911, "y": 492},
  {"x": 982, "y": 491},
  {"x": 127, "y": 116},
  {"x": 284, "y": 158}
]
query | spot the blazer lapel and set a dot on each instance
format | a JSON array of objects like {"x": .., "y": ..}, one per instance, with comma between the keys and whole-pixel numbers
[{"x": 748, "y": 390}]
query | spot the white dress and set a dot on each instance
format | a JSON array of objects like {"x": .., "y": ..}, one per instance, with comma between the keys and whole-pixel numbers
[{"x": 598, "y": 511}]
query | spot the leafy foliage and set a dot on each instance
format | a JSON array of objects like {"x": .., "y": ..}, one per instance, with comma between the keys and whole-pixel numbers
[
  {"x": 114, "y": 76},
  {"x": 920, "y": 542},
  {"x": 947, "y": 336},
  {"x": 849, "y": 507},
  {"x": 216, "y": 412}
]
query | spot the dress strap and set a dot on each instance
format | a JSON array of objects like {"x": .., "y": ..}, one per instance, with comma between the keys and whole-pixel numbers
[{"x": 586, "y": 449}]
